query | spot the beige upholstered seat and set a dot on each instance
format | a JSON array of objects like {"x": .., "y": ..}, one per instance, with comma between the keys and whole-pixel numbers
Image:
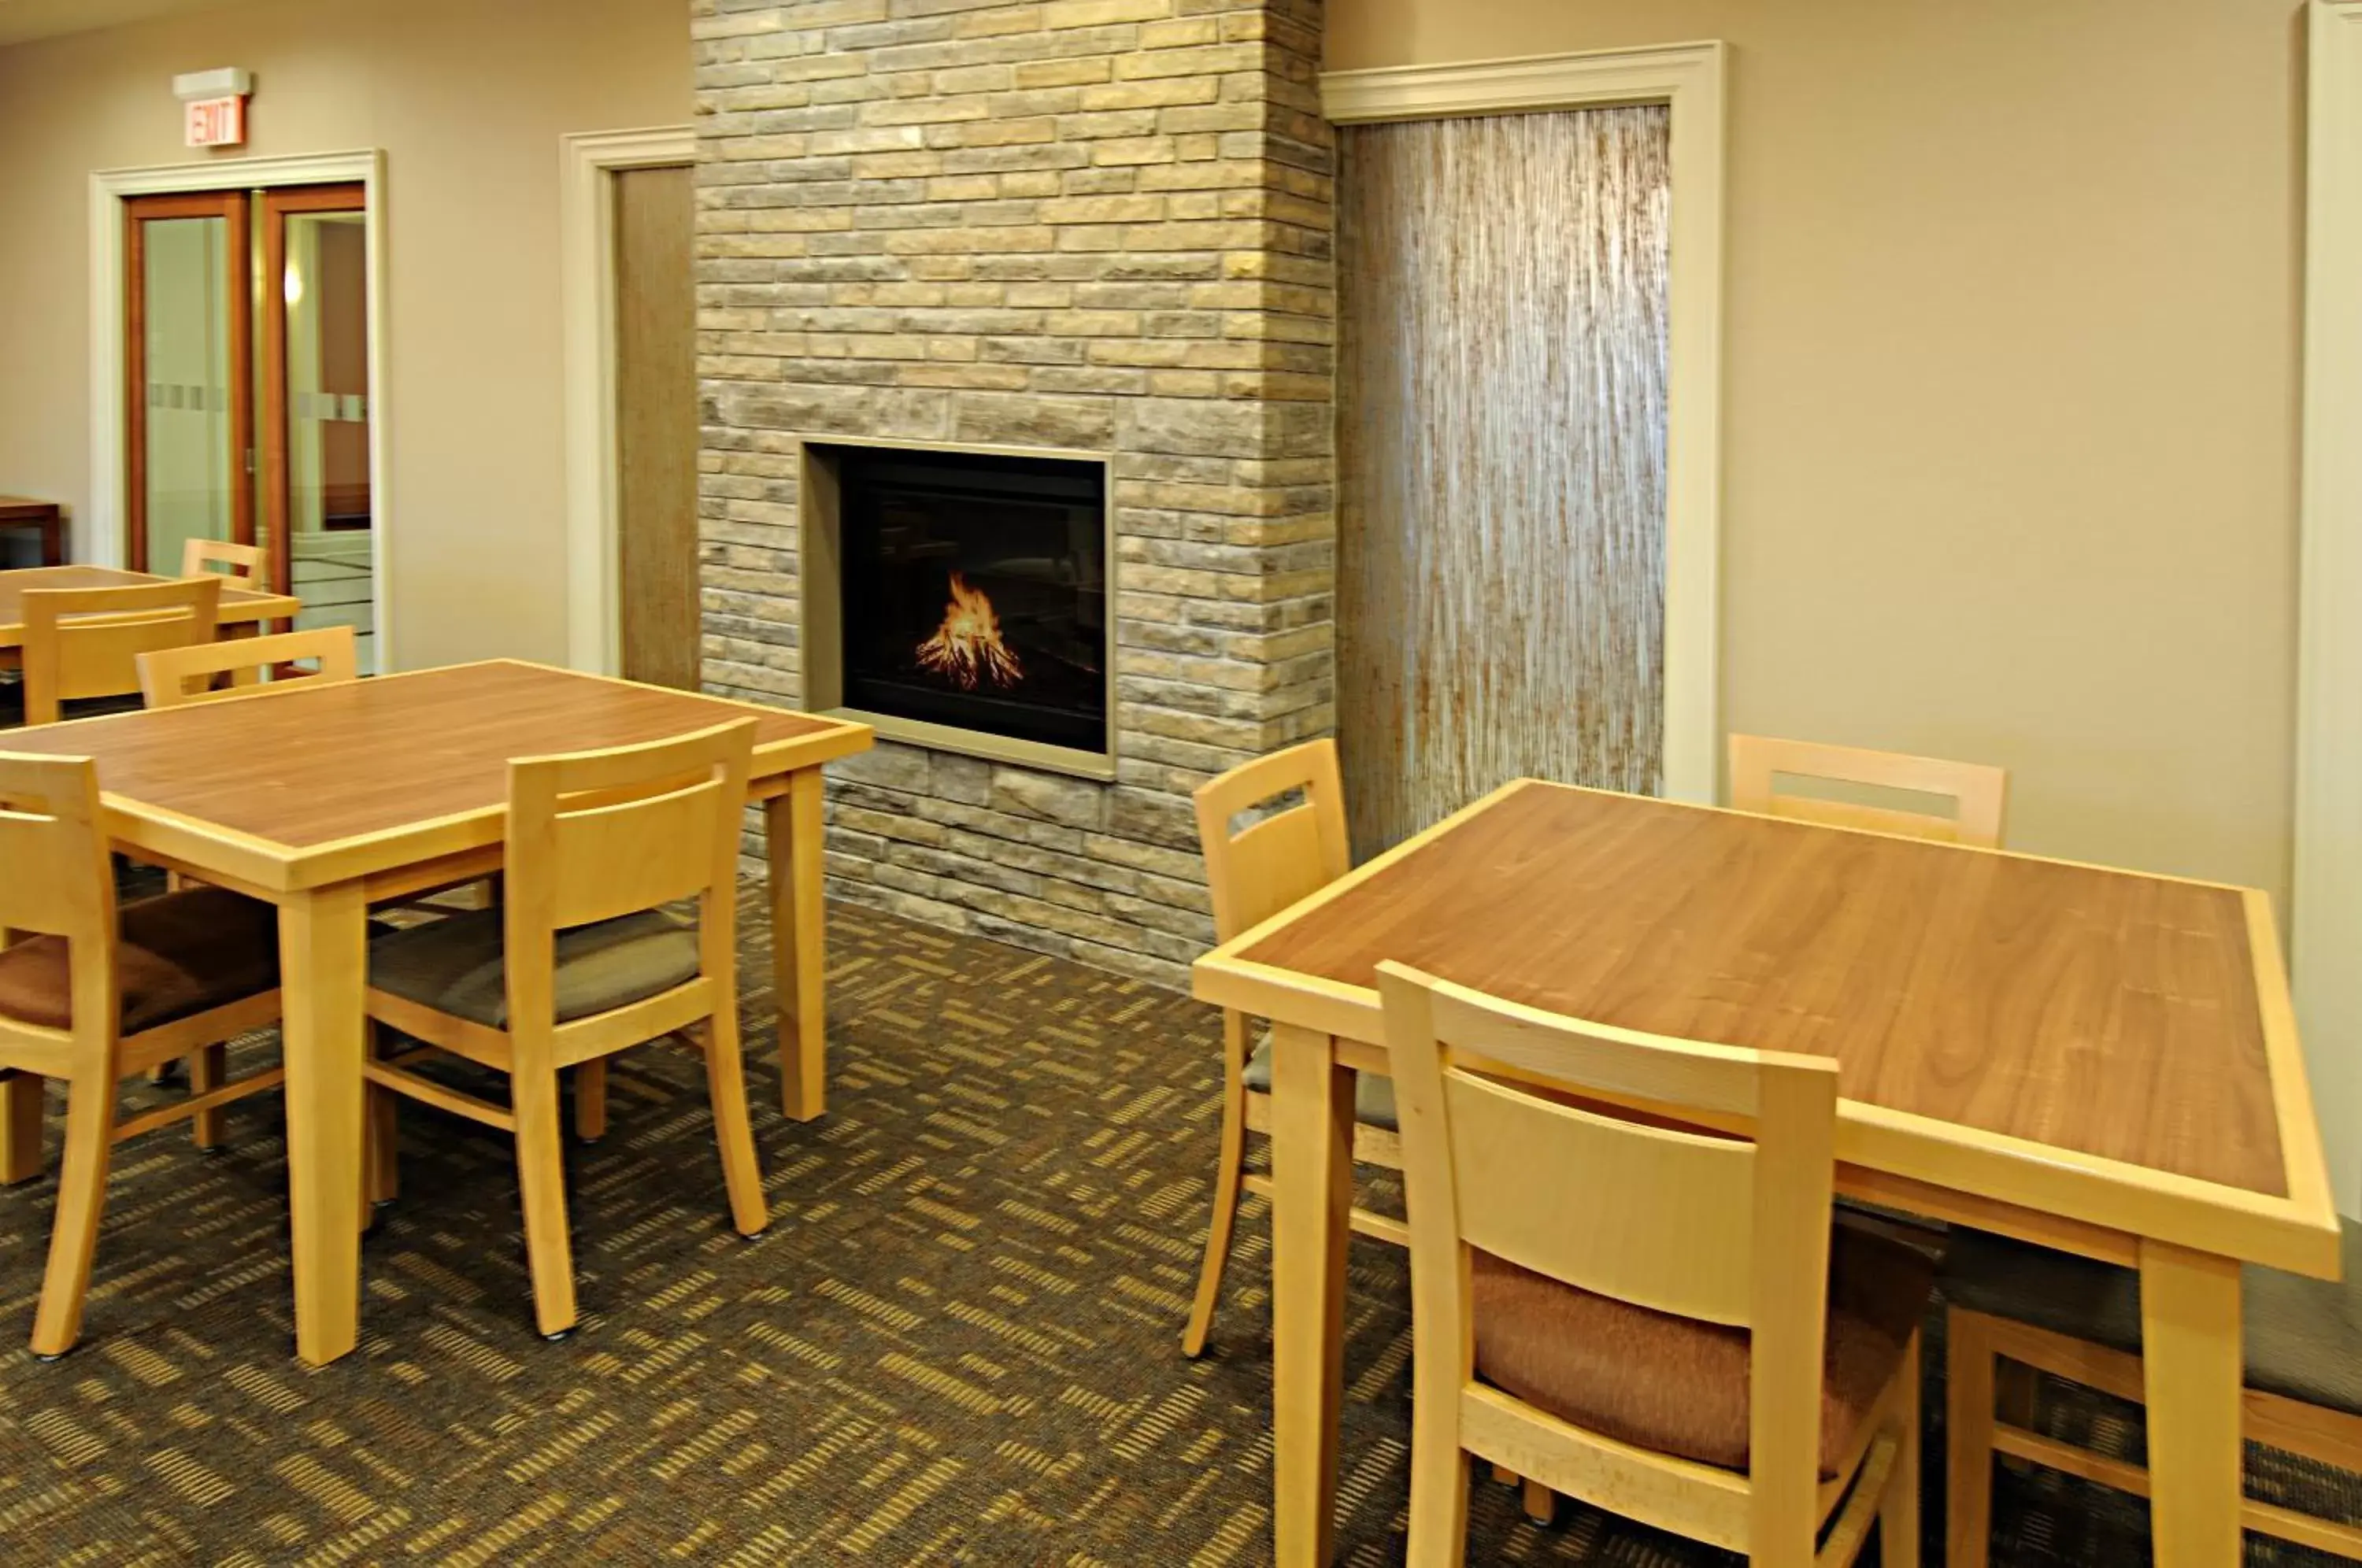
[
  {"x": 180, "y": 954},
  {"x": 1679, "y": 1385},
  {"x": 455, "y": 965}
]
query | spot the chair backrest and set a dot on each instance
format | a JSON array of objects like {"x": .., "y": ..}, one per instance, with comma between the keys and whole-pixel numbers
[
  {"x": 168, "y": 678},
  {"x": 1977, "y": 792},
  {"x": 596, "y": 834},
  {"x": 1730, "y": 1230},
  {"x": 1258, "y": 872},
  {"x": 86, "y": 642},
  {"x": 60, "y": 880},
  {"x": 244, "y": 562}
]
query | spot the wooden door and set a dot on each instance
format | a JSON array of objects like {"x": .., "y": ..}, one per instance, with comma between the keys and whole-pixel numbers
[
  {"x": 189, "y": 354},
  {"x": 656, "y": 426}
]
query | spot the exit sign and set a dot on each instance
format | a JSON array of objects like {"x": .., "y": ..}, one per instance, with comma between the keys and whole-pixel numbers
[{"x": 217, "y": 122}]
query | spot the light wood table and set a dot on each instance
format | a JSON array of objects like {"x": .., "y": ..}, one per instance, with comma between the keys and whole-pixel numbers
[
  {"x": 244, "y": 611},
  {"x": 45, "y": 518},
  {"x": 2091, "y": 1059},
  {"x": 325, "y": 799}
]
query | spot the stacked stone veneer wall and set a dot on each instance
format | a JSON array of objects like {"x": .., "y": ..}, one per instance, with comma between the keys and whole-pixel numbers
[{"x": 1092, "y": 225}]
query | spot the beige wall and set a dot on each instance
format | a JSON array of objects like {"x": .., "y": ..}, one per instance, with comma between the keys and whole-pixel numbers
[
  {"x": 2011, "y": 347},
  {"x": 2011, "y": 374},
  {"x": 468, "y": 100}
]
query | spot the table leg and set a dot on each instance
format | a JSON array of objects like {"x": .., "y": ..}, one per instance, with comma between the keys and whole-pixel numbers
[
  {"x": 324, "y": 965},
  {"x": 2190, "y": 1350},
  {"x": 1312, "y": 1201},
  {"x": 792, "y": 835}
]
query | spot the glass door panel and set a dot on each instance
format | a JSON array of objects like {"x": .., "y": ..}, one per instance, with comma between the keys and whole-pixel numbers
[
  {"x": 189, "y": 421},
  {"x": 317, "y": 505}
]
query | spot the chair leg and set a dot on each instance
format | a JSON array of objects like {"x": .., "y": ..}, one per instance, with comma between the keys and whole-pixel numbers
[
  {"x": 82, "y": 1195},
  {"x": 1898, "y": 1512},
  {"x": 208, "y": 1070},
  {"x": 20, "y": 1127},
  {"x": 1968, "y": 1439},
  {"x": 725, "y": 1081},
  {"x": 1439, "y": 1467},
  {"x": 1541, "y": 1503},
  {"x": 1219, "y": 1229},
  {"x": 541, "y": 1181},
  {"x": 381, "y": 1125},
  {"x": 1438, "y": 1496},
  {"x": 590, "y": 1099}
]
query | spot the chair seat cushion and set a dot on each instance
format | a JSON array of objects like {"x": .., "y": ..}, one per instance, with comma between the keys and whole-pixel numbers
[
  {"x": 2303, "y": 1337},
  {"x": 455, "y": 965},
  {"x": 181, "y": 954},
  {"x": 1678, "y": 1385},
  {"x": 1374, "y": 1093}
]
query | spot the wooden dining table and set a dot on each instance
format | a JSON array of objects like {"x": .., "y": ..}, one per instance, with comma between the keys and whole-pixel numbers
[
  {"x": 243, "y": 609},
  {"x": 2094, "y": 1060},
  {"x": 325, "y": 799}
]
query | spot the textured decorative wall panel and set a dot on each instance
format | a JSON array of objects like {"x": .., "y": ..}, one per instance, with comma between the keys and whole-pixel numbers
[{"x": 1501, "y": 452}]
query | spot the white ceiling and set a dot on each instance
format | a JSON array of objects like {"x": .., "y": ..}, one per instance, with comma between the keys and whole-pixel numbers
[{"x": 23, "y": 19}]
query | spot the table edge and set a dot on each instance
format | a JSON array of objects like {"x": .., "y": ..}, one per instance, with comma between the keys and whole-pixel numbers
[
  {"x": 2298, "y": 1231},
  {"x": 263, "y": 863}
]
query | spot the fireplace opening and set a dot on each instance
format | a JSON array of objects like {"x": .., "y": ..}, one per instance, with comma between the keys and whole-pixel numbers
[{"x": 972, "y": 593}]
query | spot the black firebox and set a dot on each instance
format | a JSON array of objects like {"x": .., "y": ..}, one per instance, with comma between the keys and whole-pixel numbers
[{"x": 974, "y": 593}]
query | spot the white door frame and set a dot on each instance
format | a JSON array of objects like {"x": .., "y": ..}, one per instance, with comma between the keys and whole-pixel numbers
[
  {"x": 2327, "y": 917},
  {"x": 101, "y": 532},
  {"x": 1689, "y": 80},
  {"x": 589, "y": 161}
]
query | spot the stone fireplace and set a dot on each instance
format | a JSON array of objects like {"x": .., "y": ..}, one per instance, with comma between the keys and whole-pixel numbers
[{"x": 951, "y": 246}]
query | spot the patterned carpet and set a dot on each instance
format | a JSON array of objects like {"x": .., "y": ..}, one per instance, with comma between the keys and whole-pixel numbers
[{"x": 957, "y": 1342}]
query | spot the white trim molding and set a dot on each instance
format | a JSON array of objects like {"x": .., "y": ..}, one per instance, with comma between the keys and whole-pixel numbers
[
  {"x": 588, "y": 164},
  {"x": 102, "y": 531},
  {"x": 2326, "y": 925},
  {"x": 1690, "y": 79}
]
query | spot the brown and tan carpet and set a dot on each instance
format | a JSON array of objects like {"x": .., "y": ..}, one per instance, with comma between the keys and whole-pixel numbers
[{"x": 957, "y": 1343}]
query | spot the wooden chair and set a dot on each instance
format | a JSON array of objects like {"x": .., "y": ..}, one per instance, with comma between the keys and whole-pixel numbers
[
  {"x": 165, "y": 676},
  {"x": 86, "y": 642},
  {"x": 1979, "y": 793},
  {"x": 242, "y": 563},
  {"x": 583, "y": 962},
  {"x": 1656, "y": 1321},
  {"x": 2013, "y": 1305},
  {"x": 91, "y": 995},
  {"x": 1254, "y": 875}
]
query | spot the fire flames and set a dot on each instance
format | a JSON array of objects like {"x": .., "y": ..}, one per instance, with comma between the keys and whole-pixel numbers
[{"x": 967, "y": 648}]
